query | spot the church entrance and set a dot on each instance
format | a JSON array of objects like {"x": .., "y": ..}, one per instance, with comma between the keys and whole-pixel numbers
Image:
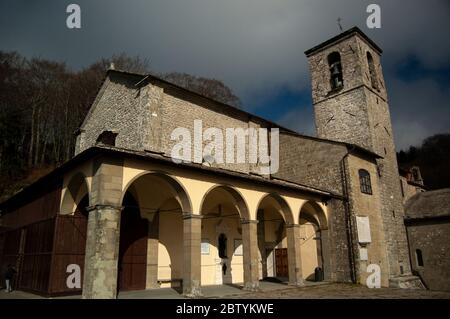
[
  {"x": 133, "y": 247},
  {"x": 281, "y": 262}
]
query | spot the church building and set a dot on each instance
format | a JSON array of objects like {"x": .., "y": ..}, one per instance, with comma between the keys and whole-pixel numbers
[{"x": 131, "y": 218}]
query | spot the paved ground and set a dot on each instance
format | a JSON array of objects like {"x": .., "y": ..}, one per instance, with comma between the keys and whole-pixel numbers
[
  {"x": 271, "y": 290},
  {"x": 346, "y": 291}
]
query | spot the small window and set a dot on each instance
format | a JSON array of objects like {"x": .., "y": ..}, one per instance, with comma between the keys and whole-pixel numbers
[
  {"x": 419, "y": 258},
  {"x": 222, "y": 246},
  {"x": 364, "y": 180},
  {"x": 335, "y": 65},
  {"x": 107, "y": 138},
  {"x": 401, "y": 188},
  {"x": 372, "y": 71}
]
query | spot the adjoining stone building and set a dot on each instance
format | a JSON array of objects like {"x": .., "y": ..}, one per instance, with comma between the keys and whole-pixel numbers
[
  {"x": 131, "y": 218},
  {"x": 428, "y": 227}
]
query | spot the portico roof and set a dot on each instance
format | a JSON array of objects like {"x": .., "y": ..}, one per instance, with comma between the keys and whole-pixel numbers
[{"x": 161, "y": 158}]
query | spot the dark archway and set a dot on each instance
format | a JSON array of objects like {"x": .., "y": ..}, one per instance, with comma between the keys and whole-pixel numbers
[{"x": 133, "y": 246}]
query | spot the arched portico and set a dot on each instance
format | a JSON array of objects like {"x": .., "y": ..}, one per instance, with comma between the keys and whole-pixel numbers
[
  {"x": 183, "y": 208},
  {"x": 278, "y": 240},
  {"x": 74, "y": 193},
  {"x": 222, "y": 260},
  {"x": 314, "y": 240},
  {"x": 166, "y": 206}
]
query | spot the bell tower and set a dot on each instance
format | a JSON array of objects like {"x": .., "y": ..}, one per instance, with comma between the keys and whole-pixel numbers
[{"x": 351, "y": 105}]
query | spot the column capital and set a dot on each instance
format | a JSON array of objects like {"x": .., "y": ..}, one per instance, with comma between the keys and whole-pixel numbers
[
  {"x": 292, "y": 225},
  {"x": 101, "y": 206},
  {"x": 248, "y": 221},
  {"x": 192, "y": 216}
]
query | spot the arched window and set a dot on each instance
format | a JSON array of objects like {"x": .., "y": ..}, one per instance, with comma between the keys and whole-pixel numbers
[
  {"x": 372, "y": 71},
  {"x": 364, "y": 181},
  {"x": 419, "y": 258},
  {"x": 336, "y": 77},
  {"x": 222, "y": 246}
]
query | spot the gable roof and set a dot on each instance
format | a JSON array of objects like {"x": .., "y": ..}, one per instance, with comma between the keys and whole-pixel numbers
[
  {"x": 429, "y": 204},
  {"x": 113, "y": 151}
]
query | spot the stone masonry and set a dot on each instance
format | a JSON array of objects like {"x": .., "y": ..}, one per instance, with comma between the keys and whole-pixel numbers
[
  {"x": 102, "y": 242},
  {"x": 144, "y": 111},
  {"x": 359, "y": 113}
]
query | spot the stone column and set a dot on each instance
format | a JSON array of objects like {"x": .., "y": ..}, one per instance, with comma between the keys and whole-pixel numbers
[
  {"x": 103, "y": 233},
  {"x": 262, "y": 243},
  {"x": 294, "y": 255},
  {"x": 152, "y": 253},
  {"x": 102, "y": 252},
  {"x": 192, "y": 233},
  {"x": 250, "y": 250}
]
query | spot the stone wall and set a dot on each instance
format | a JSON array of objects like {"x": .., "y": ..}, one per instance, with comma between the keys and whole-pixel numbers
[
  {"x": 340, "y": 260},
  {"x": 432, "y": 238},
  {"x": 120, "y": 108},
  {"x": 145, "y": 118},
  {"x": 359, "y": 113},
  {"x": 181, "y": 110},
  {"x": 368, "y": 205},
  {"x": 309, "y": 161}
]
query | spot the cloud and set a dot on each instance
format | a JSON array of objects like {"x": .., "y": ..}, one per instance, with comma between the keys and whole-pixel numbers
[
  {"x": 255, "y": 46},
  {"x": 419, "y": 108},
  {"x": 300, "y": 119}
]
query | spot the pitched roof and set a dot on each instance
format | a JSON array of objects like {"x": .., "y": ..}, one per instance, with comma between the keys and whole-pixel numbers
[
  {"x": 121, "y": 152},
  {"x": 429, "y": 204}
]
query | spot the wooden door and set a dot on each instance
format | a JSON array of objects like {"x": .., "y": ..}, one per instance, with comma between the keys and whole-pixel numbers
[
  {"x": 281, "y": 262},
  {"x": 133, "y": 249}
]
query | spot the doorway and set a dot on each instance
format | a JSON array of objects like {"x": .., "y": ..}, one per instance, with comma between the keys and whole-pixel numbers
[{"x": 281, "y": 262}]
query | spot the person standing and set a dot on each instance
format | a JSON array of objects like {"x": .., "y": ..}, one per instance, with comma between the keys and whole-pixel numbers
[{"x": 9, "y": 276}]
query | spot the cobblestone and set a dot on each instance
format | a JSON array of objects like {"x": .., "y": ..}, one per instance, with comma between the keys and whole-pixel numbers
[{"x": 345, "y": 291}]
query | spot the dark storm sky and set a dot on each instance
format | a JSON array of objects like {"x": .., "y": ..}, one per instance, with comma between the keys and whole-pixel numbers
[{"x": 255, "y": 46}]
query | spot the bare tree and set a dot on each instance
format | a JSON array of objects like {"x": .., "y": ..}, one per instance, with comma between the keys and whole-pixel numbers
[{"x": 211, "y": 88}]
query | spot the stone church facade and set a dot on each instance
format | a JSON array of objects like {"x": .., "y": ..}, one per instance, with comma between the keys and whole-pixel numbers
[{"x": 142, "y": 221}]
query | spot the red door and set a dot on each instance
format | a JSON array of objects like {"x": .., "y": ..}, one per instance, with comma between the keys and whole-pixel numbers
[
  {"x": 281, "y": 262},
  {"x": 133, "y": 249}
]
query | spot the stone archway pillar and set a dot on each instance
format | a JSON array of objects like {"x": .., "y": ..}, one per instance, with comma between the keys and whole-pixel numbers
[
  {"x": 294, "y": 255},
  {"x": 192, "y": 233},
  {"x": 250, "y": 251},
  {"x": 103, "y": 231},
  {"x": 102, "y": 252}
]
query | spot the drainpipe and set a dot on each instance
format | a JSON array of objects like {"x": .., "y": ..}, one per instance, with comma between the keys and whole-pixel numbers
[{"x": 351, "y": 251}]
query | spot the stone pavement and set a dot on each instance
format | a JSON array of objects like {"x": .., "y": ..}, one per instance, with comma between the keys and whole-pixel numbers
[
  {"x": 271, "y": 290},
  {"x": 346, "y": 291}
]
